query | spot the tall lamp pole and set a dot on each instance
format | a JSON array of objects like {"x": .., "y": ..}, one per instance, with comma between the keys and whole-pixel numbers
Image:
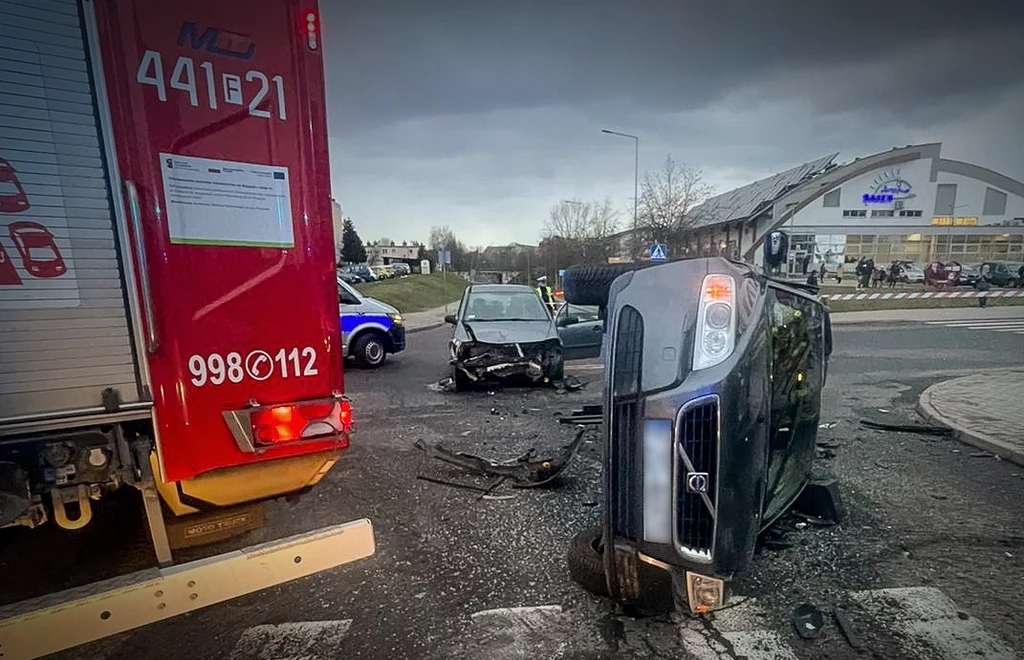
[{"x": 636, "y": 174}]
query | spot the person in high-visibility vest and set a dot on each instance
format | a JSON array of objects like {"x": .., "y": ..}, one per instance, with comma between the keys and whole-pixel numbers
[{"x": 547, "y": 295}]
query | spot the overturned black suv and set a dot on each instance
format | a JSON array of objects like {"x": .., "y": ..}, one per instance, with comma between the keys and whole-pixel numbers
[{"x": 712, "y": 392}]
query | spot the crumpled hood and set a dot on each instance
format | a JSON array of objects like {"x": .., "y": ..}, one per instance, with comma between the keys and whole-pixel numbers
[{"x": 510, "y": 332}]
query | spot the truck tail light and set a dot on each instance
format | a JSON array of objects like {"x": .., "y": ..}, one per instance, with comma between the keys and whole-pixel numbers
[
  {"x": 716, "y": 321},
  {"x": 257, "y": 428},
  {"x": 276, "y": 425}
]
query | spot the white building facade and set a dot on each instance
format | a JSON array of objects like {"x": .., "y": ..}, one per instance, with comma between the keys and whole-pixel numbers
[{"x": 906, "y": 204}]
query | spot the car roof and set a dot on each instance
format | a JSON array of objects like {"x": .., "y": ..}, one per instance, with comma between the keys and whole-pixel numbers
[{"x": 499, "y": 288}]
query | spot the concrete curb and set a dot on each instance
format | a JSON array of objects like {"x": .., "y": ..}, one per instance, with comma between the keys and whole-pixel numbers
[
  {"x": 972, "y": 437},
  {"x": 421, "y": 328}
]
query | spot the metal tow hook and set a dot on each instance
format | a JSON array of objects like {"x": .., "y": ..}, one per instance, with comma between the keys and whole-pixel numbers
[{"x": 60, "y": 515}]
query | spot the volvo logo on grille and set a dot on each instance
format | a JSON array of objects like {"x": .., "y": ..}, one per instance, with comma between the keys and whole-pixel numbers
[{"x": 697, "y": 482}]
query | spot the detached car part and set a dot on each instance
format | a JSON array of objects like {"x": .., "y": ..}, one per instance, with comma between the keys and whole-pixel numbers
[{"x": 524, "y": 472}]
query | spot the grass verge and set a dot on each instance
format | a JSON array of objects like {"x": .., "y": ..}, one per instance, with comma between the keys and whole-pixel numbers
[{"x": 415, "y": 293}]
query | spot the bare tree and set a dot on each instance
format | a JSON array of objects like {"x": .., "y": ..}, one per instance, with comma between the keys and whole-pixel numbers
[
  {"x": 568, "y": 219},
  {"x": 603, "y": 221},
  {"x": 441, "y": 237},
  {"x": 668, "y": 198},
  {"x": 574, "y": 220},
  {"x": 578, "y": 232}
]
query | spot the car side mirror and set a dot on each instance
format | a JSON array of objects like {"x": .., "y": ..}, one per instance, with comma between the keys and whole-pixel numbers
[
  {"x": 568, "y": 320},
  {"x": 449, "y": 318}
]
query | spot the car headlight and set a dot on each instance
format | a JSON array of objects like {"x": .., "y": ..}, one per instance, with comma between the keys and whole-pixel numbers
[
  {"x": 395, "y": 317},
  {"x": 716, "y": 322}
]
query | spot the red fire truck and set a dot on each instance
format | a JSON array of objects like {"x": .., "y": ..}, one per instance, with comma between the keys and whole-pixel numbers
[{"x": 174, "y": 158}]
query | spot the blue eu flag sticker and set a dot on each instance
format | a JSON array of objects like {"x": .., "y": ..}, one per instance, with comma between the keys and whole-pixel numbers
[{"x": 279, "y": 175}]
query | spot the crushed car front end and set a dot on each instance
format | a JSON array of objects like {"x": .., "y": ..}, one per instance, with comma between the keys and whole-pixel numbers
[{"x": 531, "y": 359}]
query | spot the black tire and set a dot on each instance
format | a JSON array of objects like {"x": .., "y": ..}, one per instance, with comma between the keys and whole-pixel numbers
[
  {"x": 586, "y": 561},
  {"x": 369, "y": 350},
  {"x": 588, "y": 285}
]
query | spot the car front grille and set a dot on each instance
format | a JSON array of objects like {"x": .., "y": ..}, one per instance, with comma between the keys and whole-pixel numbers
[
  {"x": 696, "y": 487},
  {"x": 626, "y": 415}
]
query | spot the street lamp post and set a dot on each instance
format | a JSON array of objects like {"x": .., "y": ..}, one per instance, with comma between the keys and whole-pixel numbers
[{"x": 636, "y": 174}]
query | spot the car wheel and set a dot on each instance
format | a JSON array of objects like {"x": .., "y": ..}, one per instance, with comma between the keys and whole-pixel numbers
[
  {"x": 588, "y": 285},
  {"x": 586, "y": 561},
  {"x": 369, "y": 351}
]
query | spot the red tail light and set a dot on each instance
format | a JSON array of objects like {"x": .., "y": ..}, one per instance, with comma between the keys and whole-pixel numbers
[{"x": 300, "y": 421}]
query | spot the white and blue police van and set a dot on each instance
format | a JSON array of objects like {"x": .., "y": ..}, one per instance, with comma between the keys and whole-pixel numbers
[{"x": 370, "y": 329}]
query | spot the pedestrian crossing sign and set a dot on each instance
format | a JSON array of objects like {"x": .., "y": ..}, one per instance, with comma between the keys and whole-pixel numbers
[{"x": 659, "y": 252}]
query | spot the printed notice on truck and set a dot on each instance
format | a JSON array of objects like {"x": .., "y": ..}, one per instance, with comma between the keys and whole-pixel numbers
[{"x": 223, "y": 202}]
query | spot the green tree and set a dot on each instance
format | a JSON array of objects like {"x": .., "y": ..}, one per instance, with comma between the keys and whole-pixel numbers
[{"x": 352, "y": 250}]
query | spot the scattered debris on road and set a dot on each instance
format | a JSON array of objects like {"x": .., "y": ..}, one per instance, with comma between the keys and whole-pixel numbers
[
  {"x": 922, "y": 429},
  {"x": 808, "y": 621},
  {"x": 585, "y": 416},
  {"x": 524, "y": 471},
  {"x": 846, "y": 627}
]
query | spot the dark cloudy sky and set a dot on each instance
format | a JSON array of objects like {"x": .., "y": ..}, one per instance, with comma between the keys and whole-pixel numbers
[{"x": 481, "y": 114}]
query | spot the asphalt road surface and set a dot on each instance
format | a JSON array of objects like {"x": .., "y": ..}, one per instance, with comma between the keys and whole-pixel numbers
[{"x": 928, "y": 563}]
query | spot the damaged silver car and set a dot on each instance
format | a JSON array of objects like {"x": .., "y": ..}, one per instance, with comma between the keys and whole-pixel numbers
[{"x": 503, "y": 332}]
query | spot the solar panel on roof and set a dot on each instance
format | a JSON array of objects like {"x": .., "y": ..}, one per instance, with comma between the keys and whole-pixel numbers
[{"x": 746, "y": 201}]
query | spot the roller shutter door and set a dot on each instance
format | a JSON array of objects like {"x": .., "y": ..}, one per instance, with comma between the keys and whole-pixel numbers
[{"x": 64, "y": 330}]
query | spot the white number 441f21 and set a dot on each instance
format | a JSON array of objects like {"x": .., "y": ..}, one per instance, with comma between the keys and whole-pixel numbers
[
  {"x": 203, "y": 81},
  {"x": 216, "y": 369}
]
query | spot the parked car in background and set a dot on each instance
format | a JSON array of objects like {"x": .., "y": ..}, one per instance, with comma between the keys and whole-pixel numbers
[
  {"x": 912, "y": 273},
  {"x": 969, "y": 273},
  {"x": 1001, "y": 273},
  {"x": 581, "y": 330},
  {"x": 401, "y": 268},
  {"x": 381, "y": 272},
  {"x": 362, "y": 270},
  {"x": 350, "y": 277}
]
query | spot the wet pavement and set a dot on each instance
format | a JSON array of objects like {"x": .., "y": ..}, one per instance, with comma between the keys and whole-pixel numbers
[{"x": 927, "y": 563}]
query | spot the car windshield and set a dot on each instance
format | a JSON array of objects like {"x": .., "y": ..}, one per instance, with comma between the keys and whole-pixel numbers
[{"x": 505, "y": 306}]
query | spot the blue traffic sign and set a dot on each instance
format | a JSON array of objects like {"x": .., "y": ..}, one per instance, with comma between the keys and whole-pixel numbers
[
  {"x": 561, "y": 272},
  {"x": 659, "y": 252}
]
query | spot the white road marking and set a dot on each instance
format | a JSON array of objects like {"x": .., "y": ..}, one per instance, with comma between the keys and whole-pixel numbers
[
  {"x": 995, "y": 325},
  {"x": 930, "y": 625},
  {"x": 539, "y": 611},
  {"x": 303, "y": 640},
  {"x": 760, "y": 645},
  {"x": 742, "y": 632},
  {"x": 525, "y": 633}
]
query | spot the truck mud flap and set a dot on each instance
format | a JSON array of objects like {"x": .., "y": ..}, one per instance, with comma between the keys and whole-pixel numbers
[
  {"x": 52, "y": 623},
  {"x": 214, "y": 526}
]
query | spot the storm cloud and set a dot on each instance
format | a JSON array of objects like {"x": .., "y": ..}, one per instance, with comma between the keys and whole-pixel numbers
[{"x": 482, "y": 114}]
